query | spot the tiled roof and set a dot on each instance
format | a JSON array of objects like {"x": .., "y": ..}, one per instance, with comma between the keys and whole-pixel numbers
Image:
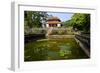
[{"x": 53, "y": 22}]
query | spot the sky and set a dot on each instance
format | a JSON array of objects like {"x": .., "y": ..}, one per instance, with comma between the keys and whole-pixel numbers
[{"x": 61, "y": 16}]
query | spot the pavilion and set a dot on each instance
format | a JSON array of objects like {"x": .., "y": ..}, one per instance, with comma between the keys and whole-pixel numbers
[{"x": 53, "y": 22}]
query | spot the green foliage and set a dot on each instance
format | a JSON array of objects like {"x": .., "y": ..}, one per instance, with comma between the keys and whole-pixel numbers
[
  {"x": 63, "y": 31},
  {"x": 79, "y": 21},
  {"x": 67, "y": 23},
  {"x": 34, "y": 19}
]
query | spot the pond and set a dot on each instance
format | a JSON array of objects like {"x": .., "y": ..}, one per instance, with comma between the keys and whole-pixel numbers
[{"x": 53, "y": 49}]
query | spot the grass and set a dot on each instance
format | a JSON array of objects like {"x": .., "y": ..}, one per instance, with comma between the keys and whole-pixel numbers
[{"x": 53, "y": 49}]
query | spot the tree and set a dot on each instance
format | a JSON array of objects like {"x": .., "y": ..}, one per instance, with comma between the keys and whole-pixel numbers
[
  {"x": 67, "y": 23},
  {"x": 34, "y": 19},
  {"x": 87, "y": 23},
  {"x": 81, "y": 21},
  {"x": 28, "y": 19}
]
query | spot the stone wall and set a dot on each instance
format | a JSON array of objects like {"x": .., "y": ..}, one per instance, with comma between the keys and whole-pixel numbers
[{"x": 60, "y": 36}]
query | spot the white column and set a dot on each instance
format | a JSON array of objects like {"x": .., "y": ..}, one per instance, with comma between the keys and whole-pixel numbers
[
  {"x": 47, "y": 25},
  {"x": 58, "y": 25}
]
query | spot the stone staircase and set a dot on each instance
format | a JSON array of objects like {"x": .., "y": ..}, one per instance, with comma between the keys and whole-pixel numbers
[{"x": 49, "y": 30}]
